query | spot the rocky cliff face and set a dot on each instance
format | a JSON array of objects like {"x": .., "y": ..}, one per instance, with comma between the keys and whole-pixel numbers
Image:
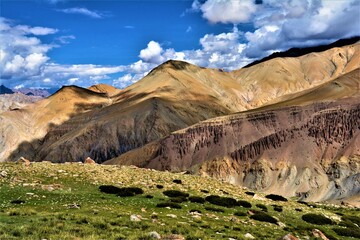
[{"x": 311, "y": 152}]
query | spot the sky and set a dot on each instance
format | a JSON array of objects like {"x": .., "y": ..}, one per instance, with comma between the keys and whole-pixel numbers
[{"x": 51, "y": 43}]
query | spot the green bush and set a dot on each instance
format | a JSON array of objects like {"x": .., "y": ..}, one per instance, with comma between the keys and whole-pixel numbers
[
  {"x": 278, "y": 208},
  {"x": 149, "y": 196},
  {"x": 196, "y": 199},
  {"x": 214, "y": 209},
  {"x": 17, "y": 201},
  {"x": 262, "y": 207},
  {"x": 175, "y": 193},
  {"x": 221, "y": 201},
  {"x": 109, "y": 189},
  {"x": 348, "y": 232},
  {"x": 353, "y": 219},
  {"x": 177, "y": 181},
  {"x": 244, "y": 204},
  {"x": 240, "y": 214},
  {"x": 250, "y": 193},
  {"x": 316, "y": 219},
  {"x": 129, "y": 191},
  {"x": 263, "y": 217},
  {"x": 168, "y": 204},
  {"x": 178, "y": 199},
  {"x": 276, "y": 197}
]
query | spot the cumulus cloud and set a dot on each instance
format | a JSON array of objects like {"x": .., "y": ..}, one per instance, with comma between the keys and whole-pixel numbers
[
  {"x": 152, "y": 53},
  {"x": 82, "y": 11},
  {"x": 280, "y": 25},
  {"x": 225, "y": 11},
  {"x": 24, "y": 60}
]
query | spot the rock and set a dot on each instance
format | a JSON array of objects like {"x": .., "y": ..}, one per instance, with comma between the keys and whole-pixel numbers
[
  {"x": 89, "y": 160},
  {"x": 154, "y": 235},
  {"x": 249, "y": 236},
  {"x": 73, "y": 206},
  {"x": 288, "y": 237},
  {"x": 318, "y": 234},
  {"x": 280, "y": 224},
  {"x": 174, "y": 237},
  {"x": 3, "y": 173},
  {"x": 23, "y": 161},
  {"x": 171, "y": 215},
  {"x": 135, "y": 218}
]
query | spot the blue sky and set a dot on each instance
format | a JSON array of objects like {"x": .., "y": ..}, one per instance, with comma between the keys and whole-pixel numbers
[{"x": 50, "y": 43}]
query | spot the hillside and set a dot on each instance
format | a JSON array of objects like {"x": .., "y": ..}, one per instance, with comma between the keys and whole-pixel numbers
[
  {"x": 307, "y": 146},
  {"x": 64, "y": 201},
  {"x": 176, "y": 95}
]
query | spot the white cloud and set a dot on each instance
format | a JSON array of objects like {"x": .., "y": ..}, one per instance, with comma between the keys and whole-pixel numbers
[
  {"x": 47, "y": 80},
  {"x": 226, "y": 11},
  {"x": 82, "y": 11},
  {"x": 65, "y": 39},
  {"x": 71, "y": 81},
  {"x": 152, "y": 53},
  {"x": 189, "y": 29}
]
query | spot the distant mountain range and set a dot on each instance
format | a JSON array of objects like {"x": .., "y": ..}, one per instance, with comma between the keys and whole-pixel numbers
[
  {"x": 289, "y": 122},
  {"x": 5, "y": 90}
]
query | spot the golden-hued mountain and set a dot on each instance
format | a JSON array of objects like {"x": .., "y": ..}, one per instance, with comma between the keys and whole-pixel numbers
[{"x": 273, "y": 123}]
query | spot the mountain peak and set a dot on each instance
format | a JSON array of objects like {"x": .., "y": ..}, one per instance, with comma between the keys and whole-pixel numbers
[
  {"x": 5, "y": 90},
  {"x": 104, "y": 88}
]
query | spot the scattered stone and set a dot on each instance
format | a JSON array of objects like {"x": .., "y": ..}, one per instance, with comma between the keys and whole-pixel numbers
[
  {"x": 154, "y": 235},
  {"x": 143, "y": 210},
  {"x": 280, "y": 224},
  {"x": 174, "y": 237},
  {"x": 288, "y": 237},
  {"x": 89, "y": 160},
  {"x": 73, "y": 206},
  {"x": 30, "y": 194},
  {"x": 3, "y": 173},
  {"x": 318, "y": 234},
  {"x": 249, "y": 236},
  {"x": 135, "y": 218},
  {"x": 171, "y": 215},
  {"x": 23, "y": 161}
]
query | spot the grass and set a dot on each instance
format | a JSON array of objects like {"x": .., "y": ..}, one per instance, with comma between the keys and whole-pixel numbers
[{"x": 49, "y": 213}]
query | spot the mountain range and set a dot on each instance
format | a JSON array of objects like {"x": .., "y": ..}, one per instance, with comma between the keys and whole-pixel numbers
[{"x": 289, "y": 123}]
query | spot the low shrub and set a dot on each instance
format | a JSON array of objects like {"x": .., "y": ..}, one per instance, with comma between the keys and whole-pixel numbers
[
  {"x": 159, "y": 186},
  {"x": 316, "y": 219},
  {"x": 17, "y": 201},
  {"x": 244, "y": 204},
  {"x": 353, "y": 219},
  {"x": 298, "y": 209},
  {"x": 262, "y": 207},
  {"x": 168, "y": 204},
  {"x": 263, "y": 217},
  {"x": 109, "y": 189},
  {"x": 129, "y": 191},
  {"x": 302, "y": 202},
  {"x": 250, "y": 193},
  {"x": 177, "y": 181},
  {"x": 276, "y": 197},
  {"x": 149, "y": 196},
  {"x": 240, "y": 214},
  {"x": 214, "y": 209},
  {"x": 178, "y": 199},
  {"x": 204, "y": 191},
  {"x": 278, "y": 208},
  {"x": 221, "y": 201},
  {"x": 348, "y": 232},
  {"x": 195, "y": 210},
  {"x": 196, "y": 199},
  {"x": 175, "y": 193}
]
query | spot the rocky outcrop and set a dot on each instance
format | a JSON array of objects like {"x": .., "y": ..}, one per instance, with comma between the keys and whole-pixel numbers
[{"x": 307, "y": 151}]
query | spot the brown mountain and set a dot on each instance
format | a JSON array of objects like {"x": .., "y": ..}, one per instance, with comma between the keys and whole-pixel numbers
[
  {"x": 307, "y": 146},
  {"x": 173, "y": 96}
]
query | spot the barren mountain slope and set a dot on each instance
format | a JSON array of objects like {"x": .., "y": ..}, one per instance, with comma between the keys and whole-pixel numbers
[
  {"x": 15, "y": 101},
  {"x": 104, "y": 88},
  {"x": 173, "y": 96},
  {"x": 308, "y": 146},
  {"x": 30, "y": 124}
]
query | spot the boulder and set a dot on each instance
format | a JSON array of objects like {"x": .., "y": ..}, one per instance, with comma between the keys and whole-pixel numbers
[
  {"x": 88, "y": 160},
  {"x": 23, "y": 161}
]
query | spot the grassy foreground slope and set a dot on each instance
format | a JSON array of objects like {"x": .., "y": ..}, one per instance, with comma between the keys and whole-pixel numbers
[{"x": 63, "y": 201}]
